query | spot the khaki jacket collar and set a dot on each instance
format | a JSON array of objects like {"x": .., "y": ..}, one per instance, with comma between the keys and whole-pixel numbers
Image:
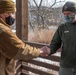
[{"x": 4, "y": 23}]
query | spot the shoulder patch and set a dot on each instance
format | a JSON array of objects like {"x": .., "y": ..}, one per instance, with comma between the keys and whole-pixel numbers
[{"x": 66, "y": 31}]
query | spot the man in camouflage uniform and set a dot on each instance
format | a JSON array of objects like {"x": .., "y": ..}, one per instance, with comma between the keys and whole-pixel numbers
[{"x": 11, "y": 47}]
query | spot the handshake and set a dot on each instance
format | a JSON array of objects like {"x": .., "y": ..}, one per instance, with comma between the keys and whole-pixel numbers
[{"x": 45, "y": 51}]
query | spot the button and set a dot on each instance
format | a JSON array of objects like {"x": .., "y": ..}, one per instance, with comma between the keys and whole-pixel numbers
[{"x": 72, "y": 69}]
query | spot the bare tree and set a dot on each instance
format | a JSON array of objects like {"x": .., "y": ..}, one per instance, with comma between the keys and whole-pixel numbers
[{"x": 41, "y": 11}]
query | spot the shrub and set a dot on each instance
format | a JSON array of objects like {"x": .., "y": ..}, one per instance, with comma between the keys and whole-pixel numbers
[{"x": 42, "y": 36}]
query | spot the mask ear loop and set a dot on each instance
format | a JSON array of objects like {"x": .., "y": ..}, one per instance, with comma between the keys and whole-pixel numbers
[
  {"x": 75, "y": 18},
  {"x": 5, "y": 15}
]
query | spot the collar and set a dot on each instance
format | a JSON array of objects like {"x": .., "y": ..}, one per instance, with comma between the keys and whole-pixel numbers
[{"x": 4, "y": 23}]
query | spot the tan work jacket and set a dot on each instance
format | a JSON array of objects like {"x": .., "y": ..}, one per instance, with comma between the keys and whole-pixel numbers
[{"x": 11, "y": 47}]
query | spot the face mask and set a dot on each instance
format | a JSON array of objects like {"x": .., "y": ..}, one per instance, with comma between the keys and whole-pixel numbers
[
  {"x": 70, "y": 18},
  {"x": 10, "y": 20}
]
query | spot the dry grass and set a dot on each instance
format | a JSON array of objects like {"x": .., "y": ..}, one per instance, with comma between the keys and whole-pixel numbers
[{"x": 42, "y": 36}]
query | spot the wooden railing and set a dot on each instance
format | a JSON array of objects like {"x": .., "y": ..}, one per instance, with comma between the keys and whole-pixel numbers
[{"x": 39, "y": 66}]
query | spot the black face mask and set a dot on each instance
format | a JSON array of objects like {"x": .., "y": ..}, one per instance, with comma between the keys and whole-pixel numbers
[{"x": 10, "y": 20}]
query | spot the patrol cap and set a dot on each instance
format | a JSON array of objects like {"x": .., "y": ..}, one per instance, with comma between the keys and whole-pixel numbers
[
  {"x": 7, "y": 6},
  {"x": 69, "y": 6}
]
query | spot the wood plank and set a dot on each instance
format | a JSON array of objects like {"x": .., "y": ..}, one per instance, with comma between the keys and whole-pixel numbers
[
  {"x": 39, "y": 45},
  {"x": 35, "y": 71},
  {"x": 53, "y": 58},
  {"x": 23, "y": 74},
  {"x": 43, "y": 64},
  {"x": 22, "y": 19}
]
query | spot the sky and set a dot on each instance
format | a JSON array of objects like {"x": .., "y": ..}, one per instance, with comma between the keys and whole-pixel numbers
[
  {"x": 49, "y": 0},
  {"x": 71, "y": 0}
]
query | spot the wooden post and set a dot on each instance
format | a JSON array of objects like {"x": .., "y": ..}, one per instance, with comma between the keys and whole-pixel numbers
[{"x": 22, "y": 19}]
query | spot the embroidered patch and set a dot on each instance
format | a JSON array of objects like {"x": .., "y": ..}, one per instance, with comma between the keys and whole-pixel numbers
[
  {"x": 65, "y": 8},
  {"x": 66, "y": 31}
]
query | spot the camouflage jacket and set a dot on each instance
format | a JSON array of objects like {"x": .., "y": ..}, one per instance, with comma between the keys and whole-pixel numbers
[{"x": 12, "y": 48}]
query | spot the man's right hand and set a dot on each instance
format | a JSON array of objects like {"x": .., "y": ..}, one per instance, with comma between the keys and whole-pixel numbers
[{"x": 45, "y": 51}]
